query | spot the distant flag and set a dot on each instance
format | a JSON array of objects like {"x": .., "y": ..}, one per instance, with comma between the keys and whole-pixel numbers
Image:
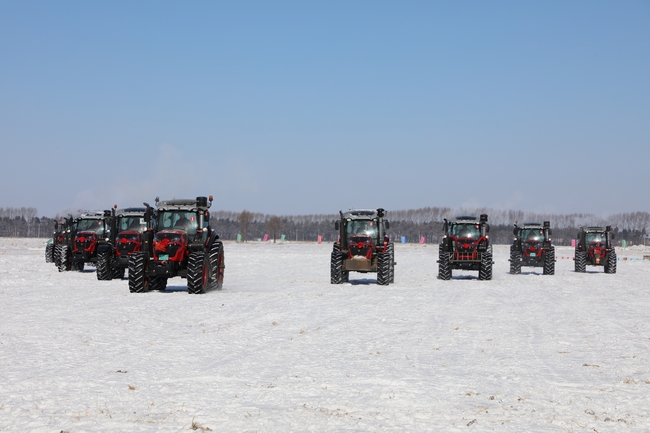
[
  {"x": 320, "y": 239},
  {"x": 423, "y": 240},
  {"x": 573, "y": 243},
  {"x": 266, "y": 237},
  {"x": 282, "y": 238},
  {"x": 238, "y": 237},
  {"x": 403, "y": 239}
]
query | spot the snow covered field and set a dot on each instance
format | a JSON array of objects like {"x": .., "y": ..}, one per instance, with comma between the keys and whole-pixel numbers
[{"x": 280, "y": 349}]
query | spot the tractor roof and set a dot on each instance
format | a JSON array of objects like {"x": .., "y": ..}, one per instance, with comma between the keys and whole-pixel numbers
[
  {"x": 179, "y": 204},
  {"x": 360, "y": 214},
  {"x": 466, "y": 218},
  {"x": 532, "y": 225},
  {"x": 594, "y": 229},
  {"x": 131, "y": 211},
  {"x": 95, "y": 215}
]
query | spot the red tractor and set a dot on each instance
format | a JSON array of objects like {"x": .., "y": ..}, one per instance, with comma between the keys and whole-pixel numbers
[
  {"x": 80, "y": 240},
  {"x": 57, "y": 239},
  {"x": 594, "y": 248},
  {"x": 183, "y": 244},
  {"x": 363, "y": 246},
  {"x": 128, "y": 228},
  {"x": 466, "y": 246},
  {"x": 532, "y": 247}
]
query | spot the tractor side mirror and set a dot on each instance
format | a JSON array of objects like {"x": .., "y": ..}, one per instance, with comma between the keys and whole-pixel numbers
[
  {"x": 487, "y": 228},
  {"x": 613, "y": 235},
  {"x": 515, "y": 230},
  {"x": 337, "y": 226},
  {"x": 550, "y": 232},
  {"x": 387, "y": 224}
]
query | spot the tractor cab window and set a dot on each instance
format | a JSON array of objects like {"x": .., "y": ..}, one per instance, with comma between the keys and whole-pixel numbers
[
  {"x": 96, "y": 226},
  {"x": 591, "y": 238},
  {"x": 136, "y": 224},
  {"x": 177, "y": 220},
  {"x": 362, "y": 227},
  {"x": 532, "y": 235},
  {"x": 469, "y": 231}
]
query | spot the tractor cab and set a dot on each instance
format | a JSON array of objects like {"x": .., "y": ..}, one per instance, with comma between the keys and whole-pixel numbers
[{"x": 91, "y": 228}]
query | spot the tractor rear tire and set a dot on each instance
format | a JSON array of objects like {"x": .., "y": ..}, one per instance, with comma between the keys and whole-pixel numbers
[
  {"x": 49, "y": 253},
  {"x": 515, "y": 261},
  {"x": 485, "y": 271},
  {"x": 217, "y": 265},
  {"x": 383, "y": 268},
  {"x": 444, "y": 267},
  {"x": 610, "y": 265},
  {"x": 158, "y": 283},
  {"x": 549, "y": 261},
  {"x": 337, "y": 275},
  {"x": 117, "y": 272},
  {"x": 103, "y": 267},
  {"x": 580, "y": 261},
  {"x": 138, "y": 281},
  {"x": 196, "y": 274},
  {"x": 65, "y": 258}
]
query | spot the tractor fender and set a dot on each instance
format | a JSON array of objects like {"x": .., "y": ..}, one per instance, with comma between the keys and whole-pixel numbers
[{"x": 214, "y": 237}]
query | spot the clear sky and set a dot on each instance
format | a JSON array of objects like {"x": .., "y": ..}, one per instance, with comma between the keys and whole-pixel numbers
[{"x": 310, "y": 107}]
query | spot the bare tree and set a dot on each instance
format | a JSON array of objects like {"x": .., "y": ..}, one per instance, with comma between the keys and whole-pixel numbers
[
  {"x": 245, "y": 218},
  {"x": 274, "y": 225}
]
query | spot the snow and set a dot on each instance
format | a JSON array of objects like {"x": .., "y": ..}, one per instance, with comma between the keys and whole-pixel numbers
[{"x": 281, "y": 349}]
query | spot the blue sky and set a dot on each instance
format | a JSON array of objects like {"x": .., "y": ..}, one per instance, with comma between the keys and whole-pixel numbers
[{"x": 311, "y": 107}]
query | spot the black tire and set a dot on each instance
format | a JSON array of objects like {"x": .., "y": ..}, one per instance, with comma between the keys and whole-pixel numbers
[
  {"x": 103, "y": 267},
  {"x": 485, "y": 271},
  {"x": 444, "y": 267},
  {"x": 217, "y": 265},
  {"x": 383, "y": 268},
  {"x": 118, "y": 272},
  {"x": 580, "y": 261},
  {"x": 515, "y": 261},
  {"x": 56, "y": 253},
  {"x": 391, "y": 249},
  {"x": 336, "y": 267},
  {"x": 196, "y": 278},
  {"x": 549, "y": 262},
  {"x": 157, "y": 283},
  {"x": 138, "y": 282},
  {"x": 610, "y": 265},
  {"x": 49, "y": 253},
  {"x": 65, "y": 258}
]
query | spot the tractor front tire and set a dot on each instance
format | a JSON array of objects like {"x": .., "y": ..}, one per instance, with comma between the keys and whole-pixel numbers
[
  {"x": 217, "y": 265},
  {"x": 610, "y": 265},
  {"x": 197, "y": 274},
  {"x": 391, "y": 249},
  {"x": 336, "y": 267},
  {"x": 580, "y": 261},
  {"x": 383, "y": 268},
  {"x": 138, "y": 282},
  {"x": 117, "y": 272},
  {"x": 515, "y": 261},
  {"x": 549, "y": 261},
  {"x": 103, "y": 267},
  {"x": 444, "y": 267},
  {"x": 65, "y": 258},
  {"x": 485, "y": 271},
  {"x": 49, "y": 253}
]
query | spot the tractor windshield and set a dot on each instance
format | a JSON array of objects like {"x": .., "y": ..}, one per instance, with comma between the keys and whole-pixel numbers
[
  {"x": 131, "y": 223},
  {"x": 362, "y": 227},
  {"x": 469, "y": 231},
  {"x": 591, "y": 238},
  {"x": 532, "y": 235},
  {"x": 177, "y": 220},
  {"x": 90, "y": 225}
]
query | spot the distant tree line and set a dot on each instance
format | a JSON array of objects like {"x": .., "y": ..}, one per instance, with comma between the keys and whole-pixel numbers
[
  {"x": 23, "y": 223},
  {"x": 412, "y": 224}
]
